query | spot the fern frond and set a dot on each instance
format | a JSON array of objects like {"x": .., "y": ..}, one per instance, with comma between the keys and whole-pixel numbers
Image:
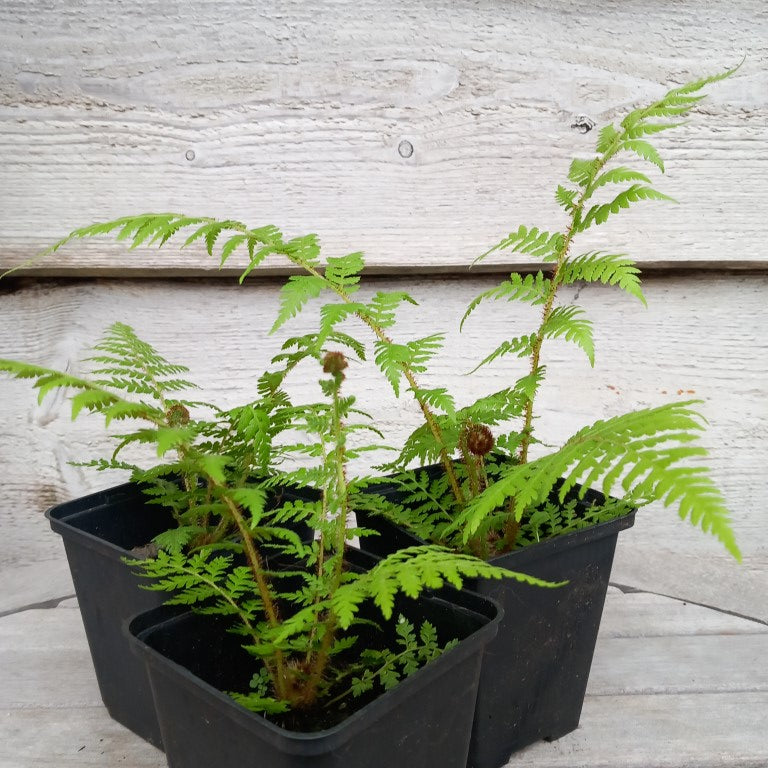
[
  {"x": 644, "y": 150},
  {"x": 530, "y": 241},
  {"x": 608, "y": 268},
  {"x": 408, "y": 571},
  {"x": 532, "y": 289},
  {"x": 566, "y": 198},
  {"x": 520, "y": 346},
  {"x": 391, "y": 358},
  {"x": 294, "y": 294},
  {"x": 607, "y": 137},
  {"x": 582, "y": 172},
  {"x": 438, "y": 398},
  {"x": 570, "y": 323},
  {"x": 381, "y": 309},
  {"x": 598, "y": 214},
  {"x": 343, "y": 272},
  {"x": 619, "y": 449},
  {"x": 617, "y": 176}
]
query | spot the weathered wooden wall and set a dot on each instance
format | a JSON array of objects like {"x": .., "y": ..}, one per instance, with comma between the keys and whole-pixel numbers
[
  {"x": 294, "y": 113},
  {"x": 297, "y": 116}
]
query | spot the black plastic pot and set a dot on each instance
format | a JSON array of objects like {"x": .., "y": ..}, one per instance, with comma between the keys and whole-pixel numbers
[
  {"x": 99, "y": 530},
  {"x": 424, "y": 721},
  {"x": 534, "y": 674}
]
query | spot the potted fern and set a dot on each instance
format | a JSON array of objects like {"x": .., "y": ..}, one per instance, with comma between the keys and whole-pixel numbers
[
  {"x": 481, "y": 489},
  {"x": 167, "y": 506},
  {"x": 305, "y": 644},
  {"x": 232, "y": 544}
]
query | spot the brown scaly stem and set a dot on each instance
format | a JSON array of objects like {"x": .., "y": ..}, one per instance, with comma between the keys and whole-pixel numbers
[
  {"x": 322, "y": 657},
  {"x": 281, "y": 681},
  {"x": 554, "y": 285}
]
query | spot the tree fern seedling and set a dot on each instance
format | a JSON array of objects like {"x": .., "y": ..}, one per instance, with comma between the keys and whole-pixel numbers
[{"x": 301, "y": 621}]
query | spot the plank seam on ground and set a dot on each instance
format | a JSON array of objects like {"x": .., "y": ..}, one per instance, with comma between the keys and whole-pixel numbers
[
  {"x": 630, "y": 590},
  {"x": 54, "y": 602}
]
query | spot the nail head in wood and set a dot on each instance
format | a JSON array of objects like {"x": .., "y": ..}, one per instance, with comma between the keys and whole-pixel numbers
[{"x": 405, "y": 148}]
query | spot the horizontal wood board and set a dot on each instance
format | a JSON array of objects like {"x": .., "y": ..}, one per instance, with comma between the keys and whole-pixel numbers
[
  {"x": 700, "y": 337},
  {"x": 635, "y": 715},
  {"x": 420, "y": 133}
]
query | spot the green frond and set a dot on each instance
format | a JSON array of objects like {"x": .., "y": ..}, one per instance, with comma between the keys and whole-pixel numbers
[
  {"x": 582, "y": 172},
  {"x": 520, "y": 346},
  {"x": 570, "y": 323},
  {"x": 333, "y": 314},
  {"x": 383, "y": 307},
  {"x": 608, "y": 268},
  {"x": 533, "y": 289},
  {"x": 641, "y": 129},
  {"x": 598, "y": 214},
  {"x": 294, "y": 294},
  {"x": 496, "y": 408},
  {"x": 618, "y": 450},
  {"x": 534, "y": 242},
  {"x": 566, "y": 198},
  {"x": 697, "y": 85},
  {"x": 617, "y": 176},
  {"x": 438, "y": 398},
  {"x": 644, "y": 150},
  {"x": 344, "y": 272},
  {"x": 391, "y": 358},
  {"x": 606, "y": 139}
]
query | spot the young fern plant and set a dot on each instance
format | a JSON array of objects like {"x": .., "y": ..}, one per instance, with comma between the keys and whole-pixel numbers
[
  {"x": 300, "y": 620},
  {"x": 130, "y": 382},
  {"x": 646, "y": 452}
]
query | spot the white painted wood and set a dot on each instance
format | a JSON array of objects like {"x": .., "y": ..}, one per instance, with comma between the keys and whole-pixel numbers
[
  {"x": 703, "y": 335},
  {"x": 294, "y": 116}
]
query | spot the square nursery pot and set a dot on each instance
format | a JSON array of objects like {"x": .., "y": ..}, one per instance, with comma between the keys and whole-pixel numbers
[
  {"x": 534, "y": 673},
  {"x": 99, "y": 530},
  {"x": 424, "y": 721}
]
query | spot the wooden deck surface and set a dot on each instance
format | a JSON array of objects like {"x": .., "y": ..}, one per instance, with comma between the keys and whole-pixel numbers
[{"x": 673, "y": 685}]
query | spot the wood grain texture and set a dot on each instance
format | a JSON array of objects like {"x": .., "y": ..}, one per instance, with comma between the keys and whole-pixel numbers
[
  {"x": 678, "y": 701},
  {"x": 295, "y": 116},
  {"x": 703, "y": 338}
]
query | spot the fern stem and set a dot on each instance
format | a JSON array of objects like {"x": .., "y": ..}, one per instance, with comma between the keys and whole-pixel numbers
[
  {"x": 562, "y": 255},
  {"x": 429, "y": 416}
]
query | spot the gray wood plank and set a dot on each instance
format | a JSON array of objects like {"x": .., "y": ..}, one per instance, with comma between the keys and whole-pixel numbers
[
  {"x": 296, "y": 117},
  {"x": 681, "y": 664},
  {"x": 642, "y": 614},
  {"x": 712, "y": 730},
  {"x": 72, "y": 738},
  {"x": 46, "y": 720}
]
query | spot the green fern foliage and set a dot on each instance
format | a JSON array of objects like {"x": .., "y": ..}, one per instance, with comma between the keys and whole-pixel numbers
[
  {"x": 646, "y": 452},
  {"x": 598, "y": 214},
  {"x": 606, "y": 268},
  {"x": 534, "y": 242},
  {"x": 533, "y": 289}
]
